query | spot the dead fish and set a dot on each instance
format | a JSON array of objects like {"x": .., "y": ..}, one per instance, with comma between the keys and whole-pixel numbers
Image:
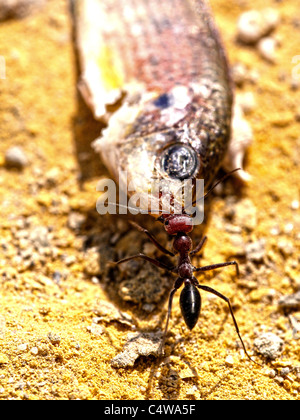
[{"x": 164, "y": 65}]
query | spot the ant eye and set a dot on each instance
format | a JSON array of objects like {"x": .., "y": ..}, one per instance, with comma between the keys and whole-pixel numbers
[{"x": 179, "y": 161}]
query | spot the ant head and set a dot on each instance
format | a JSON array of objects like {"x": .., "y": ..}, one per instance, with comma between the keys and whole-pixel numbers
[{"x": 177, "y": 223}]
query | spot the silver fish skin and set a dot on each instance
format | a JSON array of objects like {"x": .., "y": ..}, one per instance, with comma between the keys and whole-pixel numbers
[{"x": 165, "y": 63}]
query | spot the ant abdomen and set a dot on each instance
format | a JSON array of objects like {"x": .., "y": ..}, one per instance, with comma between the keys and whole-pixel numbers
[{"x": 190, "y": 304}]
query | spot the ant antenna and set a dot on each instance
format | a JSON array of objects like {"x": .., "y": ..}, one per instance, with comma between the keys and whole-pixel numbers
[
  {"x": 215, "y": 185},
  {"x": 219, "y": 182}
]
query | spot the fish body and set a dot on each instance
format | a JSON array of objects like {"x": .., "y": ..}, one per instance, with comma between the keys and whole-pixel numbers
[{"x": 164, "y": 64}]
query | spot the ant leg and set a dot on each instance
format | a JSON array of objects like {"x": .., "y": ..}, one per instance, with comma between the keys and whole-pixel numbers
[
  {"x": 199, "y": 246},
  {"x": 152, "y": 239},
  {"x": 224, "y": 264},
  {"x": 210, "y": 290},
  {"x": 177, "y": 285},
  {"x": 145, "y": 257}
]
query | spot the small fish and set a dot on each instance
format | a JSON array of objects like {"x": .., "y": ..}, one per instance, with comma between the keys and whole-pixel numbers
[{"x": 163, "y": 65}]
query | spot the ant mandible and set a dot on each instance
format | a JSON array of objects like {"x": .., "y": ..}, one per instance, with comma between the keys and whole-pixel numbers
[{"x": 180, "y": 225}]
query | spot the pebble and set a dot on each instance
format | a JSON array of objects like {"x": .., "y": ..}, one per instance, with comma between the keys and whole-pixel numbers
[
  {"x": 3, "y": 359},
  {"x": 285, "y": 371},
  {"x": 15, "y": 157},
  {"x": 91, "y": 262},
  {"x": 108, "y": 312},
  {"x": 275, "y": 231},
  {"x": 271, "y": 373},
  {"x": 229, "y": 361},
  {"x": 285, "y": 247},
  {"x": 76, "y": 220},
  {"x": 255, "y": 251},
  {"x": 239, "y": 74},
  {"x": 254, "y": 25},
  {"x": 288, "y": 228},
  {"x": 269, "y": 345},
  {"x": 138, "y": 344},
  {"x": 192, "y": 390},
  {"x": 52, "y": 176},
  {"x": 54, "y": 338},
  {"x": 34, "y": 351},
  {"x": 295, "y": 205},
  {"x": 22, "y": 347},
  {"x": 290, "y": 302},
  {"x": 267, "y": 49},
  {"x": 95, "y": 329}
]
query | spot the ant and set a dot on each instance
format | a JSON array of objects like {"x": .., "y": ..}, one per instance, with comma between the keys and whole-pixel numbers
[{"x": 180, "y": 226}]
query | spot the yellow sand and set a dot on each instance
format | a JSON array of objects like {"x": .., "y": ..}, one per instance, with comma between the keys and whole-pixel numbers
[{"x": 40, "y": 110}]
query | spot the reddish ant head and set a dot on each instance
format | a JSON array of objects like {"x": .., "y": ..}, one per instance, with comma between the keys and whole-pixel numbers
[{"x": 178, "y": 223}]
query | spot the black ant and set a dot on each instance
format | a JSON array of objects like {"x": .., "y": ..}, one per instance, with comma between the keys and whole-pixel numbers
[{"x": 180, "y": 225}]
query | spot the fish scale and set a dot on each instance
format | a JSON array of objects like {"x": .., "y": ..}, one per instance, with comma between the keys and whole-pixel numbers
[{"x": 167, "y": 62}]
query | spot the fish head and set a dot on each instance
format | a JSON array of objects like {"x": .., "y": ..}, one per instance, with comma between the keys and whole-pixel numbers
[{"x": 149, "y": 147}]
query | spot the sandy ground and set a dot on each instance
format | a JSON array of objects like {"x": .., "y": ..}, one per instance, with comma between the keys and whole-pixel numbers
[{"x": 64, "y": 313}]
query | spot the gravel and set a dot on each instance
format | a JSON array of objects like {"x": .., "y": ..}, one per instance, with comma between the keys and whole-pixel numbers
[
  {"x": 254, "y": 25},
  {"x": 269, "y": 345},
  {"x": 138, "y": 344},
  {"x": 15, "y": 157}
]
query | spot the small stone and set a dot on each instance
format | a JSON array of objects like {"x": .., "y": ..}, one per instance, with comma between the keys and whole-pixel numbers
[
  {"x": 229, "y": 361},
  {"x": 285, "y": 247},
  {"x": 267, "y": 49},
  {"x": 107, "y": 312},
  {"x": 54, "y": 338},
  {"x": 96, "y": 329},
  {"x": 290, "y": 302},
  {"x": 91, "y": 262},
  {"x": 138, "y": 344},
  {"x": 76, "y": 220},
  {"x": 279, "y": 380},
  {"x": 275, "y": 231},
  {"x": 188, "y": 372},
  {"x": 253, "y": 24},
  {"x": 3, "y": 359},
  {"x": 269, "y": 345},
  {"x": 34, "y": 351},
  {"x": 192, "y": 390},
  {"x": 22, "y": 347},
  {"x": 295, "y": 205},
  {"x": 69, "y": 260},
  {"x": 52, "y": 176},
  {"x": 284, "y": 371},
  {"x": 239, "y": 74},
  {"x": 255, "y": 251},
  {"x": 288, "y": 228},
  {"x": 271, "y": 373},
  {"x": 15, "y": 157}
]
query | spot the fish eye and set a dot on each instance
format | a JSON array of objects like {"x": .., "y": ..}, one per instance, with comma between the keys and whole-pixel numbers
[{"x": 179, "y": 161}]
